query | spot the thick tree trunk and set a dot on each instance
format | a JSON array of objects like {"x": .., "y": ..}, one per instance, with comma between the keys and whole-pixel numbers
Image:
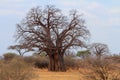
[
  {"x": 56, "y": 63},
  {"x": 51, "y": 63}
]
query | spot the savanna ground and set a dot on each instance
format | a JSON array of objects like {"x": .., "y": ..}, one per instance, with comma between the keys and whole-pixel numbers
[
  {"x": 44, "y": 74},
  {"x": 81, "y": 74},
  {"x": 35, "y": 68}
]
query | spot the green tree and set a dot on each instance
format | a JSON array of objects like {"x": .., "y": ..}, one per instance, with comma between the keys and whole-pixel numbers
[{"x": 83, "y": 54}]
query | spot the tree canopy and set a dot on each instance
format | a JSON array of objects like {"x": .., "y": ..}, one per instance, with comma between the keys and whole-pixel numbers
[{"x": 51, "y": 31}]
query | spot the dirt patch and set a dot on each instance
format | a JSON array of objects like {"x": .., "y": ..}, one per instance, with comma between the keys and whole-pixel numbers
[{"x": 44, "y": 74}]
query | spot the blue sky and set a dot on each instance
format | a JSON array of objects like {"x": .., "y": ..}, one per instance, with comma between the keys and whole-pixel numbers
[{"x": 102, "y": 19}]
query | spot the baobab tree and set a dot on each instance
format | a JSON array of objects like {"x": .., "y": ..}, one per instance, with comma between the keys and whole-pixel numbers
[
  {"x": 50, "y": 31},
  {"x": 99, "y": 49}
]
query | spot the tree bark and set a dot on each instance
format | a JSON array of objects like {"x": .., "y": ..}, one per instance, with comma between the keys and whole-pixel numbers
[{"x": 56, "y": 63}]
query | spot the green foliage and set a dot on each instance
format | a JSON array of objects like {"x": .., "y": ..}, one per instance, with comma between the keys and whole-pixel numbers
[{"x": 83, "y": 54}]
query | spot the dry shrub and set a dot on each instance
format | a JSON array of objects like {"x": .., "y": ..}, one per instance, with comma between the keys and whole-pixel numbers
[
  {"x": 41, "y": 62},
  {"x": 70, "y": 62},
  {"x": 29, "y": 59},
  {"x": 37, "y": 61},
  {"x": 16, "y": 69},
  {"x": 115, "y": 58},
  {"x": 103, "y": 69},
  {"x": 9, "y": 56}
]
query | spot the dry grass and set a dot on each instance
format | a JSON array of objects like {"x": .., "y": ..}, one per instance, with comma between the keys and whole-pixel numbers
[
  {"x": 44, "y": 74},
  {"x": 90, "y": 69},
  {"x": 81, "y": 74},
  {"x": 15, "y": 69}
]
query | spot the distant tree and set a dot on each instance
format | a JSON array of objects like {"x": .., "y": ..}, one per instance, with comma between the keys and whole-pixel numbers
[
  {"x": 50, "y": 31},
  {"x": 83, "y": 54},
  {"x": 21, "y": 49},
  {"x": 99, "y": 49}
]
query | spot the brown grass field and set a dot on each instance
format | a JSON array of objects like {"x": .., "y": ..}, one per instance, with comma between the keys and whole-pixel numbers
[
  {"x": 44, "y": 74},
  {"x": 91, "y": 69}
]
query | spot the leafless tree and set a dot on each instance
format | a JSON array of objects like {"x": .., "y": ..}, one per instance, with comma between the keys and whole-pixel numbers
[
  {"x": 50, "y": 31},
  {"x": 99, "y": 49}
]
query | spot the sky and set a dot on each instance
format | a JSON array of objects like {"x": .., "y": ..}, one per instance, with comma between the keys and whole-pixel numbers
[{"x": 102, "y": 19}]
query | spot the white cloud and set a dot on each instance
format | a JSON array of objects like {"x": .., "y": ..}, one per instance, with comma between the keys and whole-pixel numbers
[
  {"x": 95, "y": 13},
  {"x": 10, "y": 0},
  {"x": 15, "y": 8},
  {"x": 115, "y": 10},
  {"x": 113, "y": 22},
  {"x": 94, "y": 5},
  {"x": 5, "y": 12}
]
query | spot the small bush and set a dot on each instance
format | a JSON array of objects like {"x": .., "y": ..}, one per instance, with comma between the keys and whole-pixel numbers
[
  {"x": 103, "y": 70},
  {"x": 70, "y": 62},
  {"x": 37, "y": 61},
  {"x": 16, "y": 69},
  {"x": 115, "y": 58},
  {"x": 41, "y": 62},
  {"x": 9, "y": 56},
  {"x": 29, "y": 59}
]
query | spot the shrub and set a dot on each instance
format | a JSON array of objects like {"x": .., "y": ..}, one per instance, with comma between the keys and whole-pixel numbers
[
  {"x": 37, "y": 61},
  {"x": 115, "y": 58},
  {"x": 9, "y": 56},
  {"x": 70, "y": 62},
  {"x": 16, "y": 69},
  {"x": 29, "y": 59},
  {"x": 103, "y": 69},
  {"x": 41, "y": 62}
]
